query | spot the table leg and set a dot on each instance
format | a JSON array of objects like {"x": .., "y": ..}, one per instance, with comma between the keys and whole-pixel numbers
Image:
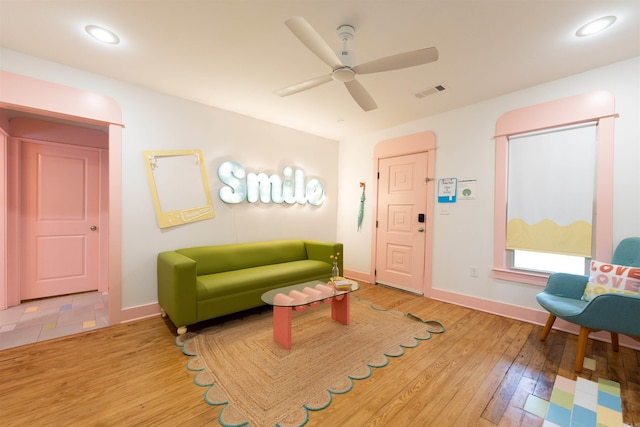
[
  {"x": 341, "y": 310},
  {"x": 282, "y": 326}
]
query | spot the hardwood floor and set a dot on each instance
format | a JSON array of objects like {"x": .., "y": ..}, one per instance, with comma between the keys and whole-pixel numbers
[{"x": 479, "y": 373}]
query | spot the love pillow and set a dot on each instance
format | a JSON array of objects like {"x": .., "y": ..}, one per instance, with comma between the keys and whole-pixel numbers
[{"x": 610, "y": 278}]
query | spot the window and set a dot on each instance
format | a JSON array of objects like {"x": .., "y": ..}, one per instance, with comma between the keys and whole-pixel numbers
[
  {"x": 554, "y": 183},
  {"x": 546, "y": 262},
  {"x": 550, "y": 197}
]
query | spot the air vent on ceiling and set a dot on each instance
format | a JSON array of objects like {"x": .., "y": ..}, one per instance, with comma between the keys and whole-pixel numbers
[{"x": 430, "y": 91}]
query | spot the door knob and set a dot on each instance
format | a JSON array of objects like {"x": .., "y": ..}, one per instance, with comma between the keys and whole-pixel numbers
[
  {"x": 421, "y": 229},
  {"x": 93, "y": 228}
]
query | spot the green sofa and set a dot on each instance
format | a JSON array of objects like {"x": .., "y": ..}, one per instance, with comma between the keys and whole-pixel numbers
[{"x": 205, "y": 282}]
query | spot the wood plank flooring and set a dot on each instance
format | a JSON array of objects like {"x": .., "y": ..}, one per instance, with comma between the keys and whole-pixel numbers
[{"x": 479, "y": 373}]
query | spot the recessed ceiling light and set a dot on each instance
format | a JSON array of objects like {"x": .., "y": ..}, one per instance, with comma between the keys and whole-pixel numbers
[
  {"x": 102, "y": 34},
  {"x": 596, "y": 26}
]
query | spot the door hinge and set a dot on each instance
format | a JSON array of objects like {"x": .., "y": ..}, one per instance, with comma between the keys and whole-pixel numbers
[
  {"x": 378, "y": 175},
  {"x": 376, "y": 223}
]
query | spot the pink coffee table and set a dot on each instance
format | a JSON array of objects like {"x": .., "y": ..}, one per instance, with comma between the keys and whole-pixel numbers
[{"x": 299, "y": 297}]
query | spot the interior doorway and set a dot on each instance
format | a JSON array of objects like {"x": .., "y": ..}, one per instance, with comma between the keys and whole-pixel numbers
[
  {"x": 26, "y": 97},
  {"x": 403, "y": 229}
]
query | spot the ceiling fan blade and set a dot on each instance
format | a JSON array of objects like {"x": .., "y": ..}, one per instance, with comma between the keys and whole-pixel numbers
[
  {"x": 396, "y": 62},
  {"x": 310, "y": 38},
  {"x": 307, "y": 84},
  {"x": 360, "y": 95}
]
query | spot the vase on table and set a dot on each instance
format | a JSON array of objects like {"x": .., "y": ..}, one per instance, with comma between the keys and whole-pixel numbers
[{"x": 335, "y": 272}]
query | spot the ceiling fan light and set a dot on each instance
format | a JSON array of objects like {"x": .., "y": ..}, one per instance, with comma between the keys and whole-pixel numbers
[
  {"x": 596, "y": 26},
  {"x": 343, "y": 75},
  {"x": 102, "y": 34}
]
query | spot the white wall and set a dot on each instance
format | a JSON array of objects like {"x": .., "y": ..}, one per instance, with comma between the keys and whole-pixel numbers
[
  {"x": 465, "y": 150},
  {"x": 464, "y": 138},
  {"x": 157, "y": 122}
]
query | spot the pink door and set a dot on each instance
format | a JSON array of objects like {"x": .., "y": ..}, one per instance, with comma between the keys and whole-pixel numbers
[
  {"x": 60, "y": 206},
  {"x": 400, "y": 233}
]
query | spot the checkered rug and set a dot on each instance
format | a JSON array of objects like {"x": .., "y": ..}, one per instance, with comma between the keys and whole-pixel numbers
[{"x": 579, "y": 403}]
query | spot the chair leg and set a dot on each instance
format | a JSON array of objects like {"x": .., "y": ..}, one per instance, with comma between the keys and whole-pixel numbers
[
  {"x": 614, "y": 342},
  {"x": 547, "y": 327},
  {"x": 581, "y": 350}
]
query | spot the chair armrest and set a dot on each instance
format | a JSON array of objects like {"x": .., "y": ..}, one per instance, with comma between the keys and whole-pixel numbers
[
  {"x": 322, "y": 251},
  {"x": 566, "y": 285},
  {"x": 177, "y": 287}
]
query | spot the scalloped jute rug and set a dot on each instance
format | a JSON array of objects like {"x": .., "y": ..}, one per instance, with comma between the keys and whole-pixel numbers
[{"x": 260, "y": 383}]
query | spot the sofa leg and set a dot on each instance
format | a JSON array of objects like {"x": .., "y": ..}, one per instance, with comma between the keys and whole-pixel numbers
[
  {"x": 162, "y": 312},
  {"x": 581, "y": 349},
  {"x": 547, "y": 327},
  {"x": 614, "y": 342},
  {"x": 182, "y": 330}
]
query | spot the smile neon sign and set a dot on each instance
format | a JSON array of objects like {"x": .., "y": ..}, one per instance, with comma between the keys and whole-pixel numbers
[{"x": 289, "y": 188}]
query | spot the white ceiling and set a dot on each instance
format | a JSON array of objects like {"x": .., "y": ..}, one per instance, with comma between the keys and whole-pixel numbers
[{"x": 233, "y": 54}]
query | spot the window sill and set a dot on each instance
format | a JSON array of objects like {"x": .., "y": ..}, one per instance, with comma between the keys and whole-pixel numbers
[{"x": 520, "y": 277}]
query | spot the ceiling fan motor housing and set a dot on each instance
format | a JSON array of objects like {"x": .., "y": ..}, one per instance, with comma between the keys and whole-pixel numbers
[
  {"x": 345, "y": 74},
  {"x": 347, "y": 57}
]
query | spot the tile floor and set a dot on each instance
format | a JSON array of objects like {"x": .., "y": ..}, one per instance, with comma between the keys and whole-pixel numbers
[
  {"x": 54, "y": 317},
  {"x": 580, "y": 403}
]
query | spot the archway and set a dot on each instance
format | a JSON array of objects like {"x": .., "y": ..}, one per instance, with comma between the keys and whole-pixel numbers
[{"x": 27, "y": 96}]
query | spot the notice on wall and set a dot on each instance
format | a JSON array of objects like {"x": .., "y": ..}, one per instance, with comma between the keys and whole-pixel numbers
[
  {"x": 447, "y": 189},
  {"x": 467, "y": 189}
]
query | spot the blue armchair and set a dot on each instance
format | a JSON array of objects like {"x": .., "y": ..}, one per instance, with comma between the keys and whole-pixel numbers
[{"x": 614, "y": 313}]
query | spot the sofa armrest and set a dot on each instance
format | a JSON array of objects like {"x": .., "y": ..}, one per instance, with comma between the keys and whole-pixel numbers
[
  {"x": 177, "y": 287},
  {"x": 322, "y": 251},
  {"x": 566, "y": 285}
]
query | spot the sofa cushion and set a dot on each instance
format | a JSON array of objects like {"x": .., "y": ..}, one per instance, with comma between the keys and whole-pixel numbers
[
  {"x": 611, "y": 278},
  {"x": 237, "y": 256},
  {"x": 262, "y": 277}
]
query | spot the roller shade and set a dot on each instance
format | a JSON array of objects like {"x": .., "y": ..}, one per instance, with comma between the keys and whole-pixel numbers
[{"x": 551, "y": 190}]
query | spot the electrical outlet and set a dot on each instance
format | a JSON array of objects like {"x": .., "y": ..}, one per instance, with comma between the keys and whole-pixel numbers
[{"x": 473, "y": 271}]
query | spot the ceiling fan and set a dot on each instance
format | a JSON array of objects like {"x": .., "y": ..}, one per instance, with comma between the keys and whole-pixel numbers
[{"x": 342, "y": 63}]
